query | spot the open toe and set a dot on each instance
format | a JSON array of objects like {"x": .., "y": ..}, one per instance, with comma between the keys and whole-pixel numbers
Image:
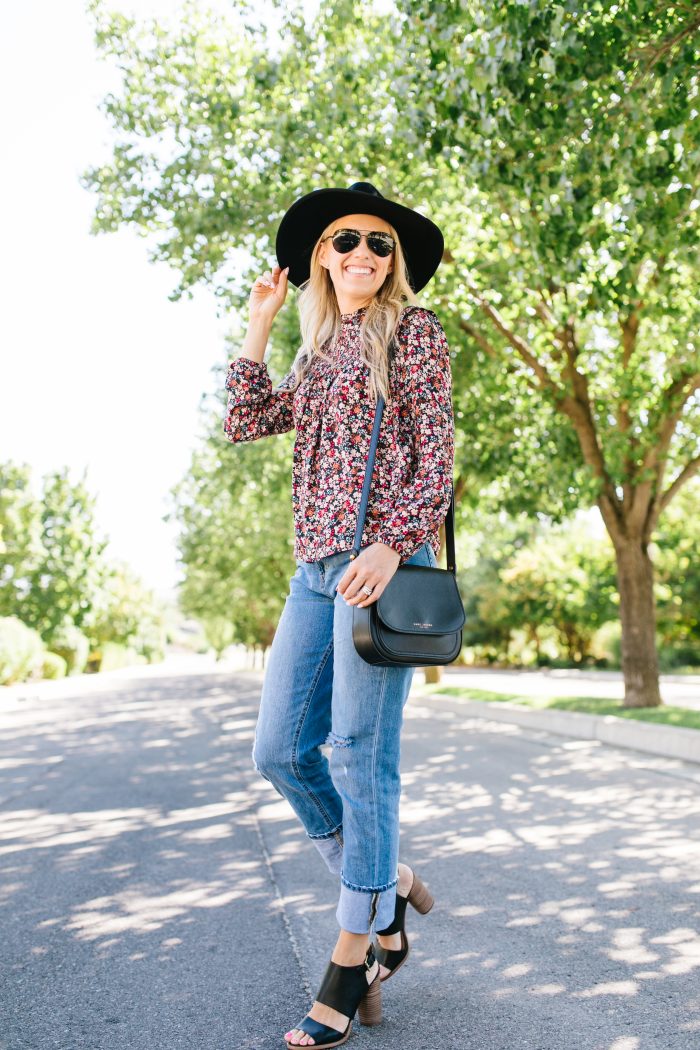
[{"x": 345, "y": 989}]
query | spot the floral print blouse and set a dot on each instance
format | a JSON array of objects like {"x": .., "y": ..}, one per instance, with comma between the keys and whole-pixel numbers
[{"x": 333, "y": 416}]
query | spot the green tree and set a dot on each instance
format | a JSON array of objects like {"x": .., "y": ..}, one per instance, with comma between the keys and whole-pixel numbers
[
  {"x": 487, "y": 545},
  {"x": 63, "y": 584},
  {"x": 235, "y": 542},
  {"x": 549, "y": 583},
  {"x": 678, "y": 578},
  {"x": 586, "y": 155},
  {"x": 558, "y": 149},
  {"x": 54, "y": 576},
  {"x": 21, "y": 549},
  {"x": 127, "y": 613},
  {"x": 564, "y": 578}
]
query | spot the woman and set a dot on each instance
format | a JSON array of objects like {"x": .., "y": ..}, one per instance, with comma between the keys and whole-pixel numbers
[{"x": 359, "y": 259}]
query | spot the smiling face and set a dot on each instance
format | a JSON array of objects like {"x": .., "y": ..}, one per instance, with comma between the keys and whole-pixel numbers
[{"x": 357, "y": 276}]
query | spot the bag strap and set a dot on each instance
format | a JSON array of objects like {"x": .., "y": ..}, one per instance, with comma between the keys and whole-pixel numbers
[{"x": 369, "y": 470}]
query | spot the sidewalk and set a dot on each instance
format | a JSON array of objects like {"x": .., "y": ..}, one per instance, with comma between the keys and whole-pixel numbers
[
  {"x": 680, "y": 690},
  {"x": 654, "y": 739}
]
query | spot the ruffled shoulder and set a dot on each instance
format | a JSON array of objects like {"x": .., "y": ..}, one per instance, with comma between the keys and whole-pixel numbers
[{"x": 418, "y": 327}]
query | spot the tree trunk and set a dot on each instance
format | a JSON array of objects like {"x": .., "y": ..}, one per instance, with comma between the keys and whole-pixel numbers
[{"x": 635, "y": 582}]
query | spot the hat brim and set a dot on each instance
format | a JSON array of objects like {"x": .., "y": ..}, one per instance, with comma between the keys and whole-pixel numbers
[{"x": 421, "y": 240}]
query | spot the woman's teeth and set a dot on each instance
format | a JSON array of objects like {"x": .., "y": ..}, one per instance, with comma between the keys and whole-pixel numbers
[{"x": 361, "y": 271}]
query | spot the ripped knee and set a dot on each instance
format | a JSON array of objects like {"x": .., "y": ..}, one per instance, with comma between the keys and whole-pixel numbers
[{"x": 338, "y": 741}]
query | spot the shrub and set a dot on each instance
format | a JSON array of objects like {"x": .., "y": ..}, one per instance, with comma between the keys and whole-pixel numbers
[
  {"x": 69, "y": 642},
  {"x": 53, "y": 666},
  {"x": 21, "y": 651},
  {"x": 607, "y": 644},
  {"x": 115, "y": 655}
]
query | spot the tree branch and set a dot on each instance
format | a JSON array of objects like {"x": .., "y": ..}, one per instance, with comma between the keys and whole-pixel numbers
[
  {"x": 689, "y": 470},
  {"x": 576, "y": 407},
  {"x": 491, "y": 350},
  {"x": 632, "y": 494},
  {"x": 519, "y": 344},
  {"x": 684, "y": 386}
]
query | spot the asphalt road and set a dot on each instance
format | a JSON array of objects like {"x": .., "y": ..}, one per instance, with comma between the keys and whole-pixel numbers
[{"x": 157, "y": 893}]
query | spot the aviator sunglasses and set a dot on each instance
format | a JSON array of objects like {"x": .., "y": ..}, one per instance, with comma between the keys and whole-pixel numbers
[{"x": 378, "y": 242}]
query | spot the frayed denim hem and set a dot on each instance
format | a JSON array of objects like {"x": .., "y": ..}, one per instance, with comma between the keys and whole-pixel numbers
[{"x": 368, "y": 889}]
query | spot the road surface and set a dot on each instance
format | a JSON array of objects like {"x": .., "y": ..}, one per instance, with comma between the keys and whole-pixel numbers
[{"x": 157, "y": 894}]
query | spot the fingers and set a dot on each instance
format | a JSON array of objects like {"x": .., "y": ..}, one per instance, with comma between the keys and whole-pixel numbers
[
  {"x": 271, "y": 279},
  {"x": 360, "y": 597},
  {"x": 370, "y": 569}
]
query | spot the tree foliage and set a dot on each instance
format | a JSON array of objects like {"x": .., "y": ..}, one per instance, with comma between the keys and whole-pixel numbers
[
  {"x": 54, "y": 574},
  {"x": 556, "y": 145},
  {"x": 236, "y": 534}
]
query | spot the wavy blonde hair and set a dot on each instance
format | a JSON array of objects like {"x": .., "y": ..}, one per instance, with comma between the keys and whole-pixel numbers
[{"x": 320, "y": 319}]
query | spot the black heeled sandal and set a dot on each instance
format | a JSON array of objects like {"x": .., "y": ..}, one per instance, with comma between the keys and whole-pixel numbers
[
  {"x": 345, "y": 989},
  {"x": 420, "y": 897}
]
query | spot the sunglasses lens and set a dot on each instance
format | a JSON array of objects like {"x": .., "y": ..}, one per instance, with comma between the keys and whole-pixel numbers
[
  {"x": 345, "y": 241},
  {"x": 381, "y": 246}
]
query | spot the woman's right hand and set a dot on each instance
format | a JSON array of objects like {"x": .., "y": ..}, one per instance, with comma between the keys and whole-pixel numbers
[{"x": 267, "y": 295}]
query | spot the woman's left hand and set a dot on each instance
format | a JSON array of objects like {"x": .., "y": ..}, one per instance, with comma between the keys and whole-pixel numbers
[{"x": 374, "y": 567}]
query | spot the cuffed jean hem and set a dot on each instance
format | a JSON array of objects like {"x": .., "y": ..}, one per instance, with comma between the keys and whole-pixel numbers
[
  {"x": 331, "y": 849},
  {"x": 358, "y": 909}
]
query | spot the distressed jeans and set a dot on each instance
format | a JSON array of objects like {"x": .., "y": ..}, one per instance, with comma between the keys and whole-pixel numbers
[{"x": 318, "y": 691}]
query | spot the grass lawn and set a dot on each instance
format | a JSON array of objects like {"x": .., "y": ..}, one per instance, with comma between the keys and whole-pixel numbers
[{"x": 591, "y": 705}]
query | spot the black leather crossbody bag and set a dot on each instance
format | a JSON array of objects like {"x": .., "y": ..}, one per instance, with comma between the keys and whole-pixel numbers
[{"x": 418, "y": 618}]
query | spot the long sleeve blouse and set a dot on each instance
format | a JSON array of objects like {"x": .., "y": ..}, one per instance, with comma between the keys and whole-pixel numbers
[{"x": 333, "y": 416}]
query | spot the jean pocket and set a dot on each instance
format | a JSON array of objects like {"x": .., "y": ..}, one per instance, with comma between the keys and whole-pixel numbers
[{"x": 423, "y": 556}]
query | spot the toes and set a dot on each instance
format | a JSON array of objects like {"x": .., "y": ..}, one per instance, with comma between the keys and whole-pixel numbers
[{"x": 298, "y": 1037}]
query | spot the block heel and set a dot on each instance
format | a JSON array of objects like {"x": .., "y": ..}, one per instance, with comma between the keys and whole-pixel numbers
[
  {"x": 422, "y": 900},
  {"x": 369, "y": 1009},
  {"x": 420, "y": 896}
]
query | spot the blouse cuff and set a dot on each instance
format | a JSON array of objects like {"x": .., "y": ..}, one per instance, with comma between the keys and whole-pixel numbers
[
  {"x": 243, "y": 362},
  {"x": 403, "y": 545},
  {"x": 245, "y": 374}
]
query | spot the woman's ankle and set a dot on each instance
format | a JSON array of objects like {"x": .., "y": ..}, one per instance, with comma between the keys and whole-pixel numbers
[
  {"x": 403, "y": 886},
  {"x": 350, "y": 948}
]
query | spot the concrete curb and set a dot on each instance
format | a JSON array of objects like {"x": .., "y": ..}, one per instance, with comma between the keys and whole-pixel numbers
[{"x": 665, "y": 741}]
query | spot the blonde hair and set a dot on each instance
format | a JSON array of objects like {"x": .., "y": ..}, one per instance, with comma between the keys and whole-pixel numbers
[{"x": 320, "y": 319}]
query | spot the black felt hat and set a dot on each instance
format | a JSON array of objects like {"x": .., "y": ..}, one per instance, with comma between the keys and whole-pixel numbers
[{"x": 306, "y": 219}]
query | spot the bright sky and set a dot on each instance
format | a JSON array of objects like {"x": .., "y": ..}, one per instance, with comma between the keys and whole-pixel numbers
[{"x": 99, "y": 369}]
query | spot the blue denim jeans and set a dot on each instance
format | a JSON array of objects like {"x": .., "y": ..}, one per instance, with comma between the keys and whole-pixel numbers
[{"x": 319, "y": 691}]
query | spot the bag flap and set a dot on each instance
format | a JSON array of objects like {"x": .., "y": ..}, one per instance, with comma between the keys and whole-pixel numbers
[{"x": 421, "y": 599}]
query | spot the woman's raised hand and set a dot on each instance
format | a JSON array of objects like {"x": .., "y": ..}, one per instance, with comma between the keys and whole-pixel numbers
[{"x": 267, "y": 295}]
